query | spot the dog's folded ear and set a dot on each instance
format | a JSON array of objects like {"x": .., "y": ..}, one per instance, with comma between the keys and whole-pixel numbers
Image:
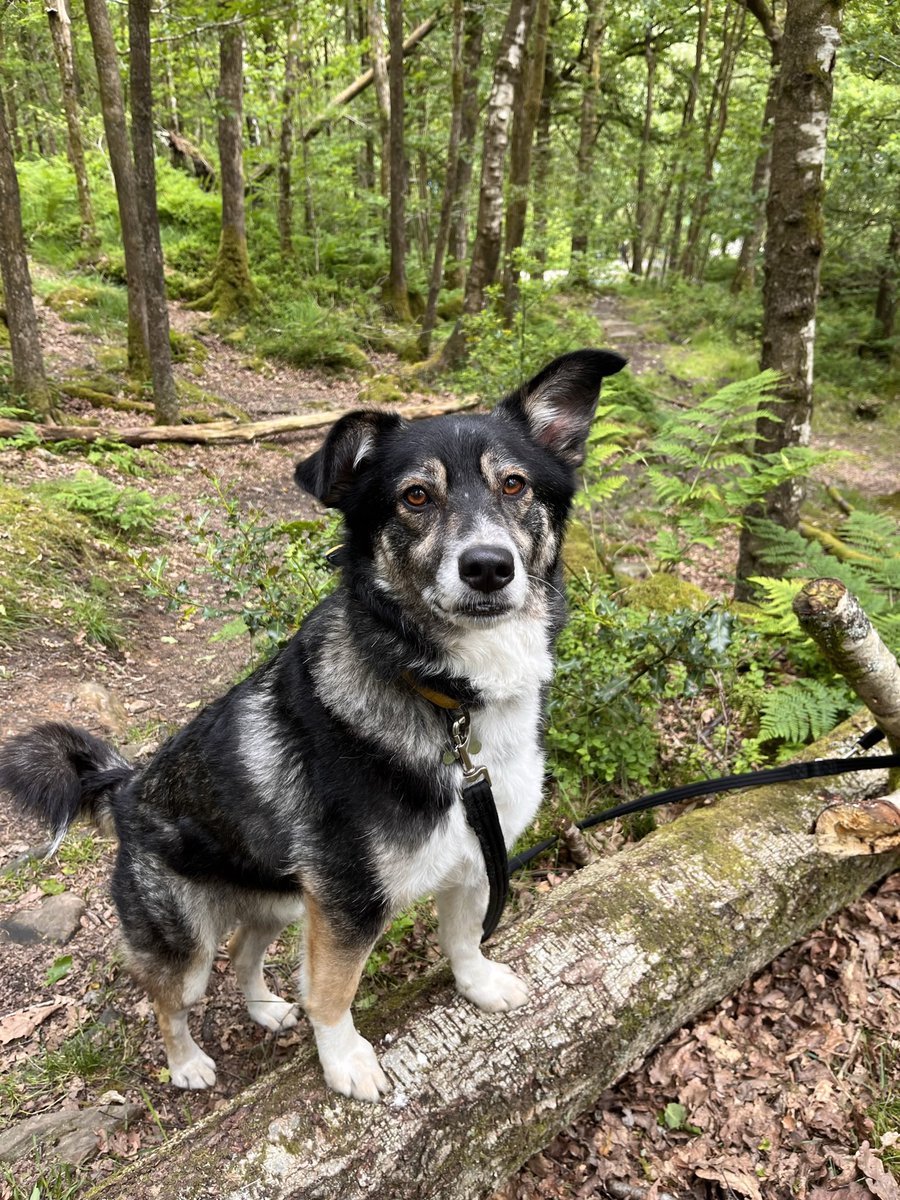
[
  {"x": 329, "y": 473},
  {"x": 557, "y": 405}
]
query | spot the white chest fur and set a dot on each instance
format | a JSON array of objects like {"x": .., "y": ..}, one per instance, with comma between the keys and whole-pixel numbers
[{"x": 509, "y": 664}]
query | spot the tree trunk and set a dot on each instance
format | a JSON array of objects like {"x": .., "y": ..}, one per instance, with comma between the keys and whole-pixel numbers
[
  {"x": 733, "y": 22},
  {"x": 382, "y": 83},
  {"x": 745, "y": 271},
  {"x": 61, "y": 32},
  {"x": 582, "y": 201},
  {"x": 455, "y": 275},
  {"x": 286, "y": 139},
  {"x": 442, "y": 236},
  {"x": 543, "y": 151},
  {"x": 396, "y": 290},
  {"x": 159, "y": 348},
  {"x": 793, "y": 253},
  {"x": 29, "y": 381},
  {"x": 642, "y": 201},
  {"x": 679, "y": 168},
  {"x": 618, "y": 957},
  {"x": 525, "y": 115},
  {"x": 886, "y": 298},
  {"x": 231, "y": 291},
  {"x": 486, "y": 248},
  {"x": 110, "y": 84}
]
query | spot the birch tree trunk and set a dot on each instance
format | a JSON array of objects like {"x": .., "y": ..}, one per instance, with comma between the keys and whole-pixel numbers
[
  {"x": 687, "y": 123},
  {"x": 29, "y": 381},
  {"x": 61, "y": 33},
  {"x": 382, "y": 91},
  {"x": 455, "y": 275},
  {"x": 793, "y": 256},
  {"x": 486, "y": 247},
  {"x": 617, "y": 958},
  {"x": 733, "y": 22},
  {"x": 159, "y": 348},
  {"x": 442, "y": 236},
  {"x": 112, "y": 103},
  {"x": 525, "y": 115}
]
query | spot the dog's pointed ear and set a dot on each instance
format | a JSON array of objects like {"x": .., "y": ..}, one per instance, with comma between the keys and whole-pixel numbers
[
  {"x": 352, "y": 441},
  {"x": 557, "y": 405}
]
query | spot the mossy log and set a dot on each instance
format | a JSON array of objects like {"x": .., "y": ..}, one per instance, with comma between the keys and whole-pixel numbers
[
  {"x": 618, "y": 957},
  {"x": 210, "y": 431}
]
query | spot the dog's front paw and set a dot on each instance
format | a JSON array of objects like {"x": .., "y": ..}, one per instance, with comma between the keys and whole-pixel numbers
[
  {"x": 197, "y": 1072},
  {"x": 274, "y": 1014},
  {"x": 493, "y": 987},
  {"x": 357, "y": 1073}
]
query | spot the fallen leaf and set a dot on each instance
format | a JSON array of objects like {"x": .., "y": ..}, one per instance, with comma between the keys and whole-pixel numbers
[
  {"x": 878, "y": 1180},
  {"x": 23, "y": 1023}
]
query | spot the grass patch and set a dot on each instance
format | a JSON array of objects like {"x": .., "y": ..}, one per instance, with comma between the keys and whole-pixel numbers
[{"x": 56, "y": 564}]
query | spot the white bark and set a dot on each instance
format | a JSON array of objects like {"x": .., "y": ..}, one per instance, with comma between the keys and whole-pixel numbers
[{"x": 617, "y": 958}]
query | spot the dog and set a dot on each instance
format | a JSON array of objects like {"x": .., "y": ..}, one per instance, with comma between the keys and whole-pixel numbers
[{"x": 320, "y": 787}]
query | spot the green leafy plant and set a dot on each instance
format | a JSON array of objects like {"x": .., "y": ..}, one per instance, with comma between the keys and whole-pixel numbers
[
  {"x": 703, "y": 472},
  {"x": 268, "y": 574},
  {"x": 128, "y": 512}
]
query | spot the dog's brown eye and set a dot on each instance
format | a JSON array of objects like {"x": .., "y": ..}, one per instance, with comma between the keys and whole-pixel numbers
[
  {"x": 416, "y": 496},
  {"x": 512, "y": 485}
]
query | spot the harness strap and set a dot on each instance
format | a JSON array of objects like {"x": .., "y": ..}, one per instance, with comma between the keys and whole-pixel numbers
[{"x": 481, "y": 814}]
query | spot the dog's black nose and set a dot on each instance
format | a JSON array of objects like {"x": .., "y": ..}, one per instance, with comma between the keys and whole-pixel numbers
[{"x": 486, "y": 568}]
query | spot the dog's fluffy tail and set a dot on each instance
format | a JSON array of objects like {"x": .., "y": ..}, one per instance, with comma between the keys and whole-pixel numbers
[{"x": 58, "y": 772}]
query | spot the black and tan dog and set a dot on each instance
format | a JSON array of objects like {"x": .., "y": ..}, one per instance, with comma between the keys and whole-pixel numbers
[{"x": 318, "y": 787}]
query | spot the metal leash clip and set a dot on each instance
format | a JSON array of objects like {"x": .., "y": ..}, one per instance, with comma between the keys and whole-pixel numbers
[{"x": 461, "y": 741}]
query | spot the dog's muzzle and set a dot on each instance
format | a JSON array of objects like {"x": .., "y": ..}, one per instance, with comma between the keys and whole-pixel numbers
[{"x": 486, "y": 568}]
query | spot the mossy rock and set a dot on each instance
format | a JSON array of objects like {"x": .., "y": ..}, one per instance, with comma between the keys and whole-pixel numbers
[
  {"x": 450, "y": 309},
  {"x": 578, "y": 552},
  {"x": 382, "y": 390},
  {"x": 186, "y": 348},
  {"x": 664, "y": 593},
  {"x": 70, "y": 301}
]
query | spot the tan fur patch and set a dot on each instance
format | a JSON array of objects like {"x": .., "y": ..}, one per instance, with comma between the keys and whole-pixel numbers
[{"x": 332, "y": 969}]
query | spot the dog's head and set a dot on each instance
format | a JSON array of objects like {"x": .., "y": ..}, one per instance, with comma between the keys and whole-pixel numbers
[{"x": 461, "y": 517}]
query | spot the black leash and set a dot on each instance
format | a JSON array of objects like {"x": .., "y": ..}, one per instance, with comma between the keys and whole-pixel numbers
[{"x": 816, "y": 769}]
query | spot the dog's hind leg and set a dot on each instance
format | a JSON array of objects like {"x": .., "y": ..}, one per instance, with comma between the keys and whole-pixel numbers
[
  {"x": 491, "y": 986},
  {"x": 173, "y": 989},
  {"x": 247, "y": 949},
  {"x": 329, "y": 979}
]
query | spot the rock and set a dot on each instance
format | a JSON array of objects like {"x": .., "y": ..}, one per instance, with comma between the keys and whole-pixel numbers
[
  {"x": 70, "y": 1136},
  {"x": 109, "y": 708},
  {"x": 56, "y": 919}
]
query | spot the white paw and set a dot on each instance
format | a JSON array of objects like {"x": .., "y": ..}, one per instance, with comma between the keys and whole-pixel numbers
[
  {"x": 198, "y": 1071},
  {"x": 275, "y": 1015},
  {"x": 493, "y": 987},
  {"x": 357, "y": 1073}
]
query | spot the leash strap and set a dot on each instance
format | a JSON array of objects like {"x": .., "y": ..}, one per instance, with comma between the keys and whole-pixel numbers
[
  {"x": 816, "y": 769},
  {"x": 481, "y": 814}
]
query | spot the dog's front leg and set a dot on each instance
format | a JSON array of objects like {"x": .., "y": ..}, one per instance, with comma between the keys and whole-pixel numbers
[
  {"x": 492, "y": 986},
  {"x": 329, "y": 978}
]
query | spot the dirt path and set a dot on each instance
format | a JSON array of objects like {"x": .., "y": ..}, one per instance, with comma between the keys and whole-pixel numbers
[{"x": 765, "y": 1096}]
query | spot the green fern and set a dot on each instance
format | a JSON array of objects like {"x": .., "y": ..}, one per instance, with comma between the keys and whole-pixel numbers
[
  {"x": 129, "y": 512},
  {"x": 804, "y": 710}
]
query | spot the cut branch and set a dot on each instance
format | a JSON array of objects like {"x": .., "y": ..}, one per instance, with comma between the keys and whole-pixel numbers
[
  {"x": 618, "y": 957},
  {"x": 834, "y": 619},
  {"x": 211, "y": 431}
]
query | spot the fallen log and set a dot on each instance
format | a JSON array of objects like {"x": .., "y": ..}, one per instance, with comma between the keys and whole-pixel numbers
[
  {"x": 835, "y": 620},
  {"x": 211, "y": 431},
  {"x": 618, "y": 958}
]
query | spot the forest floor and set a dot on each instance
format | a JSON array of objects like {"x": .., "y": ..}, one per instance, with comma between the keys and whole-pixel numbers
[{"x": 773, "y": 1093}]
